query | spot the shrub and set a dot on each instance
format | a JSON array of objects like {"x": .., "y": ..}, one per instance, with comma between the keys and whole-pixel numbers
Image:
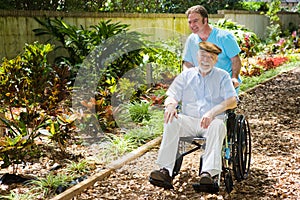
[
  {"x": 31, "y": 90},
  {"x": 80, "y": 42},
  {"x": 59, "y": 129},
  {"x": 102, "y": 54}
]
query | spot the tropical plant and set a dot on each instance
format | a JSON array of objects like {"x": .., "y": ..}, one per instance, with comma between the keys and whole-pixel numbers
[
  {"x": 80, "y": 42},
  {"x": 96, "y": 111},
  {"x": 28, "y": 81},
  {"x": 77, "y": 168},
  {"x": 104, "y": 53},
  {"x": 49, "y": 184},
  {"x": 18, "y": 142},
  {"x": 139, "y": 111},
  {"x": 274, "y": 29},
  {"x": 59, "y": 129},
  {"x": 165, "y": 59},
  {"x": 17, "y": 196},
  {"x": 126, "y": 89},
  {"x": 31, "y": 91},
  {"x": 115, "y": 147},
  {"x": 24, "y": 78}
]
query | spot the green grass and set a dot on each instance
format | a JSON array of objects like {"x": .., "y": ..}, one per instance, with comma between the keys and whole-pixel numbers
[
  {"x": 118, "y": 145},
  {"x": 250, "y": 82}
]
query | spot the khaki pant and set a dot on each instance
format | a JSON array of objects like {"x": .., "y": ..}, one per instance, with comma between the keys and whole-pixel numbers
[{"x": 185, "y": 126}]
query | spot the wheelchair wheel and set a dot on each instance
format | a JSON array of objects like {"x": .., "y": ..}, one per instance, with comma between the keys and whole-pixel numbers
[
  {"x": 232, "y": 140},
  {"x": 242, "y": 158}
]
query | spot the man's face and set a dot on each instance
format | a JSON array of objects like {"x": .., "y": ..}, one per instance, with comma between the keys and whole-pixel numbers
[
  {"x": 195, "y": 21},
  {"x": 206, "y": 61}
]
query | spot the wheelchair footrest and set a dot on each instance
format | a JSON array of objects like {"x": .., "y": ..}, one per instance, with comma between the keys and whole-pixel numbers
[
  {"x": 158, "y": 183},
  {"x": 208, "y": 188}
]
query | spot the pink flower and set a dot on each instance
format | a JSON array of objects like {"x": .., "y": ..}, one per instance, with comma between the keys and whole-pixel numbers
[
  {"x": 294, "y": 34},
  {"x": 246, "y": 37},
  {"x": 281, "y": 42}
]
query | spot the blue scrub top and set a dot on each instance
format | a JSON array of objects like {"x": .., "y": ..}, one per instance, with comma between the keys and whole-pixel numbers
[{"x": 223, "y": 39}]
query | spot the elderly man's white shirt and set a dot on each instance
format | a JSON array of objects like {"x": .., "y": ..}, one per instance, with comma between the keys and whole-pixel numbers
[{"x": 199, "y": 94}]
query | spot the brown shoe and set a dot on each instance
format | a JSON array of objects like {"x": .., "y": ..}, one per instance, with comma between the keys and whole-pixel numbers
[
  {"x": 206, "y": 179},
  {"x": 161, "y": 178}
]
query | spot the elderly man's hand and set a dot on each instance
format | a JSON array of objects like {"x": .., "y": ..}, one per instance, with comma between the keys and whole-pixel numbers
[
  {"x": 170, "y": 113},
  {"x": 206, "y": 120}
]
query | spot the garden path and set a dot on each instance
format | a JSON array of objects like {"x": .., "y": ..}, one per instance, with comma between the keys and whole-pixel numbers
[{"x": 273, "y": 110}]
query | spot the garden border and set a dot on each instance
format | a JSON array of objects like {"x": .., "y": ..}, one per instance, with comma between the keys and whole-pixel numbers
[{"x": 77, "y": 189}]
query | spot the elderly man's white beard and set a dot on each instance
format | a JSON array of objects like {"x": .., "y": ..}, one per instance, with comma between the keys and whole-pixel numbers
[{"x": 205, "y": 69}]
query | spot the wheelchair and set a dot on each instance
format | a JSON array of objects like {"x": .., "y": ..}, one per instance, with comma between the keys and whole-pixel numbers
[{"x": 236, "y": 154}]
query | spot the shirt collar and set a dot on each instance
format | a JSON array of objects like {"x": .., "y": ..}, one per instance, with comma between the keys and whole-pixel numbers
[{"x": 209, "y": 74}]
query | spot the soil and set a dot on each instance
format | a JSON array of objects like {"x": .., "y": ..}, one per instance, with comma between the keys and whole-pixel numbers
[{"x": 273, "y": 111}]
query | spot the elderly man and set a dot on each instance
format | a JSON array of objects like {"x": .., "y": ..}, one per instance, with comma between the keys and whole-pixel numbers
[{"x": 205, "y": 93}]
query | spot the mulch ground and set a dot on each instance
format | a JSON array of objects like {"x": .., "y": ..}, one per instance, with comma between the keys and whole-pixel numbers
[{"x": 273, "y": 111}]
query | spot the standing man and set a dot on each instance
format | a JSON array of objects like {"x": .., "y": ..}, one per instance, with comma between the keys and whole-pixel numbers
[
  {"x": 205, "y": 93},
  {"x": 228, "y": 60}
]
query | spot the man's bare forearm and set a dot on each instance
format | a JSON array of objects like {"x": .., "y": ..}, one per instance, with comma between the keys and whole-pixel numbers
[
  {"x": 236, "y": 66},
  {"x": 229, "y": 103},
  {"x": 187, "y": 65}
]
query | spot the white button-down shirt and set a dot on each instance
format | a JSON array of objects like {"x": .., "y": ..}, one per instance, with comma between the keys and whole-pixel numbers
[{"x": 199, "y": 94}]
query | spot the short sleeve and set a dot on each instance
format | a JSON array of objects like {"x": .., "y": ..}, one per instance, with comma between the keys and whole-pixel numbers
[
  {"x": 176, "y": 88},
  {"x": 230, "y": 45}
]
